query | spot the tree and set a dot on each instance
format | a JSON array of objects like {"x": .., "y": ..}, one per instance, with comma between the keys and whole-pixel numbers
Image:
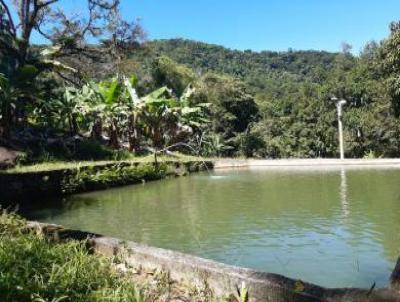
[
  {"x": 346, "y": 48},
  {"x": 47, "y": 18},
  {"x": 232, "y": 107},
  {"x": 19, "y": 19},
  {"x": 122, "y": 40},
  {"x": 390, "y": 54},
  {"x": 168, "y": 73}
]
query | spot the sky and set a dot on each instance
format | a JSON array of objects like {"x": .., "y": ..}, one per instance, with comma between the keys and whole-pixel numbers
[
  {"x": 268, "y": 24},
  {"x": 265, "y": 24}
]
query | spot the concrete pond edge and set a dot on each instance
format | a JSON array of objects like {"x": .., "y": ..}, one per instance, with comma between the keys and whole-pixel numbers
[
  {"x": 33, "y": 187},
  {"x": 306, "y": 163},
  {"x": 221, "y": 279}
]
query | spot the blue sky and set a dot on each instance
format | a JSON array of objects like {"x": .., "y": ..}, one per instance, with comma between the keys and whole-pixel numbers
[
  {"x": 268, "y": 24},
  {"x": 265, "y": 24}
]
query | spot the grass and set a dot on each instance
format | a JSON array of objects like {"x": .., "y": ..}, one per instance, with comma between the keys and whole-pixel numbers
[
  {"x": 88, "y": 179},
  {"x": 62, "y": 165},
  {"x": 31, "y": 183},
  {"x": 33, "y": 268},
  {"x": 36, "y": 269}
]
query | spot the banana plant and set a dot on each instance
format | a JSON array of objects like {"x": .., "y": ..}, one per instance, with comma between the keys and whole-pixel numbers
[
  {"x": 158, "y": 118},
  {"x": 194, "y": 116},
  {"x": 72, "y": 108},
  {"x": 167, "y": 120},
  {"x": 113, "y": 106},
  {"x": 112, "y": 109},
  {"x": 24, "y": 93},
  {"x": 133, "y": 132}
]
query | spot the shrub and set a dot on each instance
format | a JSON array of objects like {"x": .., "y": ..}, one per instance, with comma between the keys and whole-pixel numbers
[
  {"x": 33, "y": 268},
  {"x": 90, "y": 178}
]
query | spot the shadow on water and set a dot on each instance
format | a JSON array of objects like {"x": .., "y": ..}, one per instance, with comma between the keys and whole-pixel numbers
[{"x": 56, "y": 206}]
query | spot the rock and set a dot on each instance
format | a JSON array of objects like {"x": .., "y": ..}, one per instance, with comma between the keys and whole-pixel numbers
[{"x": 8, "y": 158}]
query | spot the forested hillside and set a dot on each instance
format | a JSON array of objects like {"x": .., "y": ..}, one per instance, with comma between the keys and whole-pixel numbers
[
  {"x": 207, "y": 57},
  {"x": 288, "y": 110}
]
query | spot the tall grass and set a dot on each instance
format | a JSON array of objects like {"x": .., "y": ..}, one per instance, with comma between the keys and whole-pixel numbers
[{"x": 33, "y": 268}]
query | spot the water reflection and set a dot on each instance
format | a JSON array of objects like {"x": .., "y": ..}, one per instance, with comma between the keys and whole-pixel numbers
[
  {"x": 343, "y": 194},
  {"x": 335, "y": 227}
]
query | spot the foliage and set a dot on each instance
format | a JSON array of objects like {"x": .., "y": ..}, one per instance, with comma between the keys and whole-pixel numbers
[
  {"x": 167, "y": 120},
  {"x": 244, "y": 64},
  {"x": 71, "y": 150},
  {"x": 34, "y": 72},
  {"x": 35, "y": 269},
  {"x": 175, "y": 76},
  {"x": 92, "y": 177},
  {"x": 293, "y": 115},
  {"x": 390, "y": 55}
]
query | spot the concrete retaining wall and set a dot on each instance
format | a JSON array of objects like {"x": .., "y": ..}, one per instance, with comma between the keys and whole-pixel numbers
[
  {"x": 243, "y": 163},
  {"x": 36, "y": 186},
  {"x": 221, "y": 279}
]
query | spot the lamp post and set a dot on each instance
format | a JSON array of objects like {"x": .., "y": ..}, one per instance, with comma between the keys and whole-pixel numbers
[{"x": 339, "y": 106}]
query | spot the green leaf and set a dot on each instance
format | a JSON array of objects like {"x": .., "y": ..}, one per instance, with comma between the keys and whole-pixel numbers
[
  {"x": 133, "y": 80},
  {"x": 161, "y": 92},
  {"x": 50, "y": 51},
  {"x": 190, "y": 110}
]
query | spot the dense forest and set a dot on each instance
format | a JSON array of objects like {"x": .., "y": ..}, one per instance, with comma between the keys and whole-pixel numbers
[
  {"x": 70, "y": 99},
  {"x": 278, "y": 104}
]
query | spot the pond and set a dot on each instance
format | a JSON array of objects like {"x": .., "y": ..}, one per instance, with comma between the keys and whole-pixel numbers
[{"x": 336, "y": 227}]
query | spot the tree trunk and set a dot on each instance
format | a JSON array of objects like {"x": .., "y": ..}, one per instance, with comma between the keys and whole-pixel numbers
[
  {"x": 133, "y": 134},
  {"x": 114, "y": 141},
  {"x": 6, "y": 121},
  {"x": 157, "y": 138},
  {"x": 97, "y": 130},
  {"x": 74, "y": 124}
]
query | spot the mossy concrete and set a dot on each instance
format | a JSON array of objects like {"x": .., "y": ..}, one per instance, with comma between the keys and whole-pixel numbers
[
  {"x": 33, "y": 186},
  {"x": 223, "y": 280}
]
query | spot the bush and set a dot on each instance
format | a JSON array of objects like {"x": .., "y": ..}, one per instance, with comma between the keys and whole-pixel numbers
[
  {"x": 91, "y": 178},
  {"x": 33, "y": 268}
]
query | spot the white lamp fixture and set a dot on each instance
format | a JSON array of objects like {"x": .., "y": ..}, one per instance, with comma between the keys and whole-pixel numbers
[{"x": 339, "y": 106}]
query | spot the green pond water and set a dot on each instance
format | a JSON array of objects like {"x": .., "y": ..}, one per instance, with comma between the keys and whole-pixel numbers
[{"x": 334, "y": 227}]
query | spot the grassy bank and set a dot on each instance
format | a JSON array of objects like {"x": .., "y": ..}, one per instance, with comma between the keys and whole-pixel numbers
[
  {"x": 47, "y": 180},
  {"x": 33, "y": 268},
  {"x": 71, "y": 165},
  {"x": 38, "y": 269}
]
